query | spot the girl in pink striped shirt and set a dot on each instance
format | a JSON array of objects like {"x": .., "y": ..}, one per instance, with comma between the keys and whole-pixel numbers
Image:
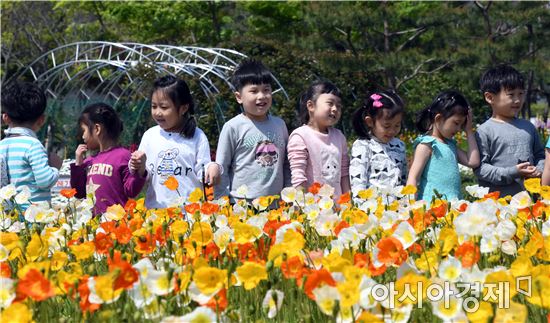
[{"x": 317, "y": 152}]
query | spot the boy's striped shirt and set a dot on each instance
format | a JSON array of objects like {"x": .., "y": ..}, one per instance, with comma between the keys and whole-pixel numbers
[{"x": 27, "y": 163}]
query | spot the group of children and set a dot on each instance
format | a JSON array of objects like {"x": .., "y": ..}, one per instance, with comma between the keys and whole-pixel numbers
[{"x": 255, "y": 150}]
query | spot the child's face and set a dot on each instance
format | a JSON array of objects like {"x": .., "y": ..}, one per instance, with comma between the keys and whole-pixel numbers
[
  {"x": 385, "y": 129},
  {"x": 449, "y": 127},
  {"x": 90, "y": 137},
  {"x": 256, "y": 100},
  {"x": 165, "y": 113},
  {"x": 325, "y": 111},
  {"x": 506, "y": 104}
]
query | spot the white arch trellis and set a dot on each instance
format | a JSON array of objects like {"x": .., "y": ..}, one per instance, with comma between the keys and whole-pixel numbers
[{"x": 106, "y": 70}]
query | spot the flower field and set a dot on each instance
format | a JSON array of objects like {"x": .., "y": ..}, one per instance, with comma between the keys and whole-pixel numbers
[{"x": 379, "y": 257}]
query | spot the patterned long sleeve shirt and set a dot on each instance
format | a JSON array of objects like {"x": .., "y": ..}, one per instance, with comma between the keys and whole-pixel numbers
[{"x": 374, "y": 163}]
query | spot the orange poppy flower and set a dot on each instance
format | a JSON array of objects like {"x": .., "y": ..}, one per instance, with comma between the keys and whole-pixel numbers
[
  {"x": 493, "y": 195},
  {"x": 344, "y": 198},
  {"x": 5, "y": 270},
  {"x": 361, "y": 260},
  {"x": 212, "y": 250},
  {"x": 316, "y": 279},
  {"x": 171, "y": 183},
  {"x": 463, "y": 207},
  {"x": 130, "y": 206},
  {"x": 538, "y": 209},
  {"x": 209, "y": 208},
  {"x": 84, "y": 292},
  {"x": 123, "y": 233},
  {"x": 391, "y": 251},
  {"x": 192, "y": 208},
  {"x": 293, "y": 268},
  {"x": 145, "y": 244},
  {"x": 108, "y": 226},
  {"x": 248, "y": 251},
  {"x": 314, "y": 188},
  {"x": 440, "y": 210},
  {"x": 68, "y": 192},
  {"x": 218, "y": 302},
  {"x": 103, "y": 243},
  {"x": 35, "y": 286},
  {"x": 127, "y": 276},
  {"x": 468, "y": 253}
]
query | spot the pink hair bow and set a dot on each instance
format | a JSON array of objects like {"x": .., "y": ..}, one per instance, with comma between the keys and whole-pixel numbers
[{"x": 377, "y": 103}]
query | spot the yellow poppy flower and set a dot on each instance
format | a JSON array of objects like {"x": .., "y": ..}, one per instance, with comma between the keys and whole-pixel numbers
[
  {"x": 209, "y": 280},
  {"x": 251, "y": 273}
]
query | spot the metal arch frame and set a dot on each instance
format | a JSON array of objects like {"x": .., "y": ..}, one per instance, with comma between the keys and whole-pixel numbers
[{"x": 202, "y": 64}]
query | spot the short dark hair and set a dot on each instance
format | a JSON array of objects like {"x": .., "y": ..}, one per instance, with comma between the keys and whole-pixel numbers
[
  {"x": 23, "y": 101},
  {"x": 103, "y": 114},
  {"x": 501, "y": 77},
  {"x": 251, "y": 71}
]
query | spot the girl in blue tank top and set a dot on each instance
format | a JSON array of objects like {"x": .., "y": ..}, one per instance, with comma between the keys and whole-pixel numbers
[{"x": 436, "y": 156}]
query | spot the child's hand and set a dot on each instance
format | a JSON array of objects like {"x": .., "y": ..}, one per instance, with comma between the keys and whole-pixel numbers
[
  {"x": 80, "y": 152},
  {"x": 55, "y": 161},
  {"x": 212, "y": 176},
  {"x": 535, "y": 173},
  {"x": 525, "y": 169},
  {"x": 137, "y": 162}
]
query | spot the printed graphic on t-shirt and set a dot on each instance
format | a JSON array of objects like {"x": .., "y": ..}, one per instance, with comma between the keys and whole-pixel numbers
[
  {"x": 168, "y": 165},
  {"x": 267, "y": 153},
  {"x": 331, "y": 166},
  {"x": 101, "y": 169}
]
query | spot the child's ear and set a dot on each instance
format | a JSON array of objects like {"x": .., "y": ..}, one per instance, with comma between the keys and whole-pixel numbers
[
  {"x": 489, "y": 97},
  {"x": 97, "y": 129},
  {"x": 238, "y": 97},
  {"x": 369, "y": 121},
  {"x": 310, "y": 106},
  {"x": 183, "y": 108},
  {"x": 438, "y": 117},
  {"x": 40, "y": 121},
  {"x": 5, "y": 118}
]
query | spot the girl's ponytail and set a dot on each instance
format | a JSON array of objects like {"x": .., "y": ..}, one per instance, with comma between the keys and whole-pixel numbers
[
  {"x": 424, "y": 120},
  {"x": 189, "y": 125}
]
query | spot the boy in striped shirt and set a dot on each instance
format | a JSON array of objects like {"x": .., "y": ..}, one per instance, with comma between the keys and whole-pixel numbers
[{"x": 25, "y": 158}]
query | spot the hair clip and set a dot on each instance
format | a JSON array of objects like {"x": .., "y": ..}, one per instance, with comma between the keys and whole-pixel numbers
[{"x": 377, "y": 103}]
